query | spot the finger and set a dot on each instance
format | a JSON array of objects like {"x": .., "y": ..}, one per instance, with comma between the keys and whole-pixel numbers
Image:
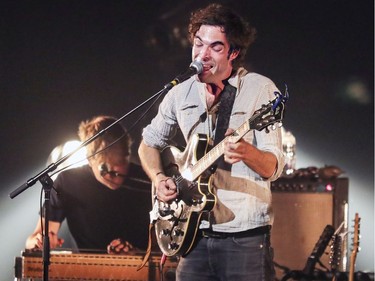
[
  {"x": 60, "y": 242},
  {"x": 128, "y": 247},
  {"x": 232, "y": 146},
  {"x": 167, "y": 192},
  {"x": 167, "y": 183},
  {"x": 232, "y": 160},
  {"x": 119, "y": 248},
  {"x": 172, "y": 188},
  {"x": 116, "y": 245},
  {"x": 112, "y": 249},
  {"x": 38, "y": 241},
  {"x": 109, "y": 249},
  {"x": 38, "y": 244},
  {"x": 228, "y": 159},
  {"x": 167, "y": 198},
  {"x": 170, "y": 192},
  {"x": 116, "y": 242},
  {"x": 229, "y": 131}
]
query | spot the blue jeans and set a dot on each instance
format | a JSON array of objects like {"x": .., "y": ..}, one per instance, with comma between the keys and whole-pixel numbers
[{"x": 237, "y": 259}]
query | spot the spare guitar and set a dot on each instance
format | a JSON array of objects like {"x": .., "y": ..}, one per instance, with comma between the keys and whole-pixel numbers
[
  {"x": 176, "y": 224},
  {"x": 336, "y": 252},
  {"x": 355, "y": 250}
]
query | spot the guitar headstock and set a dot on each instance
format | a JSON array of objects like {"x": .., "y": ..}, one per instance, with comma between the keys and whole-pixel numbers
[
  {"x": 355, "y": 250},
  {"x": 270, "y": 114},
  {"x": 356, "y": 235},
  {"x": 335, "y": 252}
]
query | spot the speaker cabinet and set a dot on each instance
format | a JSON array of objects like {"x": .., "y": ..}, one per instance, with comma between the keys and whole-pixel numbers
[{"x": 303, "y": 208}]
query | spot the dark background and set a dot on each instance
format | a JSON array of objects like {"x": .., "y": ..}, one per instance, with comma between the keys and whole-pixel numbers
[{"x": 64, "y": 61}]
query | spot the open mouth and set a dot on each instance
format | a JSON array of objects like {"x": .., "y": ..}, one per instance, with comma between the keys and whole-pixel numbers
[{"x": 207, "y": 68}]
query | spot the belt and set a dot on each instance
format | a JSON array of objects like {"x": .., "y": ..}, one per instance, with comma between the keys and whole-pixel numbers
[{"x": 207, "y": 233}]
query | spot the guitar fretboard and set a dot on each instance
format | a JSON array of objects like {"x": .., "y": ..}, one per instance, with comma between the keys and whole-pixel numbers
[
  {"x": 210, "y": 157},
  {"x": 267, "y": 115}
]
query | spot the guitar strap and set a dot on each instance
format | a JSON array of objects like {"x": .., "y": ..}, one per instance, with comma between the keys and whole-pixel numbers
[
  {"x": 149, "y": 247},
  {"x": 225, "y": 109},
  {"x": 203, "y": 117}
]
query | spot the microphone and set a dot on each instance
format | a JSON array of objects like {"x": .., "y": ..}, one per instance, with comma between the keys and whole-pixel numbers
[
  {"x": 103, "y": 169},
  {"x": 318, "y": 250},
  {"x": 196, "y": 67}
]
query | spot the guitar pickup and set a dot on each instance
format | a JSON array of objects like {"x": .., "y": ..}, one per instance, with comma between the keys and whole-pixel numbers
[
  {"x": 166, "y": 212},
  {"x": 165, "y": 232},
  {"x": 195, "y": 202}
]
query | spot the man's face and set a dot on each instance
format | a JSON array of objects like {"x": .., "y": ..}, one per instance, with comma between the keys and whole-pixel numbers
[
  {"x": 212, "y": 48},
  {"x": 111, "y": 172}
]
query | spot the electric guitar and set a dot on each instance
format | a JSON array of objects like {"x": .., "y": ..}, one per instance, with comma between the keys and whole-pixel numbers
[
  {"x": 176, "y": 223},
  {"x": 335, "y": 254},
  {"x": 355, "y": 249}
]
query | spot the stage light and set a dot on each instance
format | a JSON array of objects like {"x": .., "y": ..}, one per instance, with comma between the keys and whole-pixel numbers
[
  {"x": 75, "y": 160},
  {"x": 329, "y": 187}
]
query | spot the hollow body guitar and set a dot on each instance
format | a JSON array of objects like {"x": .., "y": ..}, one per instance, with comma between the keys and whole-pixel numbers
[{"x": 177, "y": 222}]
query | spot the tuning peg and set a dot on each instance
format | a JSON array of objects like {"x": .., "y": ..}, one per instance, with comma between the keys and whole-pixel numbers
[{"x": 280, "y": 124}]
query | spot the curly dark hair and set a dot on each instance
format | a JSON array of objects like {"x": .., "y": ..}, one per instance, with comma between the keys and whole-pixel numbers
[{"x": 240, "y": 33}]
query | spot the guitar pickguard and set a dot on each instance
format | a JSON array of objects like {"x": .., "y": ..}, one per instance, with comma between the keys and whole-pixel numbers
[{"x": 178, "y": 221}]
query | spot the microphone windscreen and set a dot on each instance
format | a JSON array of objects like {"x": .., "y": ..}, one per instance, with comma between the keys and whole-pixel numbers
[
  {"x": 103, "y": 169},
  {"x": 198, "y": 65}
]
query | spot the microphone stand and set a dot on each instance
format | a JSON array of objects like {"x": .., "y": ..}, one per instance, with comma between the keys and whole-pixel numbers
[{"x": 47, "y": 183}]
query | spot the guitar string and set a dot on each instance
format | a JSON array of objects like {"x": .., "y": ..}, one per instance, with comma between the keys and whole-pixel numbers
[{"x": 213, "y": 153}]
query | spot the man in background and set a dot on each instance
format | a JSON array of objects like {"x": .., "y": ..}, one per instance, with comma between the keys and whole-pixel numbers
[{"x": 100, "y": 201}]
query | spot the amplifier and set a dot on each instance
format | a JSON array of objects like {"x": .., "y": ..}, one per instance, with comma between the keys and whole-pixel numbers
[
  {"x": 303, "y": 206},
  {"x": 71, "y": 266}
]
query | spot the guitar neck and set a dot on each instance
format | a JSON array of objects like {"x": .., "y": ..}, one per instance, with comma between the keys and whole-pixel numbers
[
  {"x": 355, "y": 250},
  {"x": 262, "y": 118},
  {"x": 351, "y": 269},
  {"x": 211, "y": 156}
]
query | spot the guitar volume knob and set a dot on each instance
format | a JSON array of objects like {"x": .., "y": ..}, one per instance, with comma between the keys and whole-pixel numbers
[
  {"x": 173, "y": 246},
  {"x": 178, "y": 232}
]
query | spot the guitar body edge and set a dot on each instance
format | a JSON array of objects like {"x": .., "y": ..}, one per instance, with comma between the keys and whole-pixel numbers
[{"x": 176, "y": 231}]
